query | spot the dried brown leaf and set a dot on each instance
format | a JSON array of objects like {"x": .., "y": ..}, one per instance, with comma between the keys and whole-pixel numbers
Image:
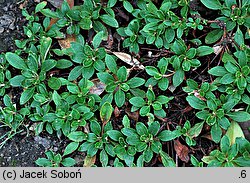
[
  {"x": 89, "y": 161},
  {"x": 98, "y": 87},
  {"x": 217, "y": 49},
  {"x": 207, "y": 136},
  {"x": 23, "y": 5},
  {"x": 128, "y": 59},
  {"x": 65, "y": 43},
  {"x": 132, "y": 115},
  {"x": 181, "y": 151},
  {"x": 58, "y": 4},
  {"x": 117, "y": 112},
  {"x": 197, "y": 94}
]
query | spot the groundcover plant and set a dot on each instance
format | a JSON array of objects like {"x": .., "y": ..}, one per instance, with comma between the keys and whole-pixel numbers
[{"x": 132, "y": 83}]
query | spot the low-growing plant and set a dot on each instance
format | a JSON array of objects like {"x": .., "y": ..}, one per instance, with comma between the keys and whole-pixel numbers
[
  {"x": 131, "y": 35},
  {"x": 151, "y": 104},
  {"x": 117, "y": 82},
  {"x": 88, "y": 60},
  {"x": 55, "y": 160},
  {"x": 217, "y": 113},
  {"x": 72, "y": 84},
  {"x": 143, "y": 140},
  {"x": 185, "y": 58},
  {"x": 229, "y": 155},
  {"x": 33, "y": 69},
  {"x": 86, "y": 16},
  {"x": 233, "y": 77},
  {"x": 5, "y": 75},
  {"x": 12, "y": 119},
  {"x": 233, "y": 14}
]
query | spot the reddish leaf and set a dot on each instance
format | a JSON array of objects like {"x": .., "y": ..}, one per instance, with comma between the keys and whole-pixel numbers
[
  {"x": 181, "y": 151},
  {"x": 65, "y": 43},
  {"x": 117, "y": 112},
  {"x": 89, "y": 161},
  {"x": 98, "y": 87},
  {"x": 58, "y": 4},
  {"x": 132, "y": 115}
]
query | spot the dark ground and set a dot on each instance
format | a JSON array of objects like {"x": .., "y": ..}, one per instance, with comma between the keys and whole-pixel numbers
[{"x": 22, "y": 150}]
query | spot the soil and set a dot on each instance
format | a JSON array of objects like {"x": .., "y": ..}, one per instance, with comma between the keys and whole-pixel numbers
[{"x": 23, "y": 149}]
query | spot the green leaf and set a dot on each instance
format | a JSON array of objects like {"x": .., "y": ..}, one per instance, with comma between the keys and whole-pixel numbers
[
  {"x": 167, "y": 160},
  {"x": 15, "y": 61},
  {"x": 148, "y": 155},
  {"x": 56, "y": 98},
  {"x": 122, "y": 74},
  {"x": 128, "y": 6},
  {"x": 234, "y": 131},
  {"x": 26, "y": 95},
  {"x": 179, "y": 47},
  {"x": 67, "y": 162},
  {"x": 105, "y": 77},
  {"x": 135, "y": 82},
  {"x": 241, "y": 161},
  {"x": 224, "y": 144},
  {"x": 137, "y": 101},
  {"x": 152, "y": 71},
  {"x": 119, "y": 98},
  {"x": 163, "y": 84},
  {"x": 40, "y": 6},
  {"x": 216, "y": 132},
  {"x": 212, "y": 4},
  {"x": 85, "y": 23},
  {"x": 77, "y": 136},
  {"x": 48, "y": 65},
  {"x": 7, "y": 101},
  {"x": 111, "y": 63},
  {"x": 154, "y": 128},
  {"x": 144, "y": 110},
  {"x": 227, "y": 79},
  {"x": 150, "y": 95},
  {"x": 54, "y": 83},
  {"x": 109, "y": 20},
  {"x": 17, "y": 80},
  {"x": 48, "y": 13},
  {"x": 178, "y": 77},
  {"x": 167, "y": 135},
  {"x": 195, "y": 130},
  {"x": 43, "y": 162},
  {"x": 63, "y": 64},
  {"x": 141, "y": 129},
  {"x": 97, "y": 39},
  {"x": 106, "y": 112},
  {"x": 104, "y": 158},
  {"x": 45, "y": 46},
  {"x": 239, "y": 116},
  {"x": 111, "y": 3},
  {"x": 114, "y": 134},
  {"x": 71, "y": 147},
  {"x": 195, "y": 102},
  {"x": 204, "y": 50},
  {"x": 213, "y": 36},
  {"x": 194, "y": 161},
  {"x": 73, "y": 88},
  {"x": 75, "y": 73},
  {"x": 218, "y": 71},
  {"x": 95, "y": 127}
]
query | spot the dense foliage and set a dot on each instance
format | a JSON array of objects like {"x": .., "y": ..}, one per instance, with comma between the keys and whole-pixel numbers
[{"x": 122, "y": 80}]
